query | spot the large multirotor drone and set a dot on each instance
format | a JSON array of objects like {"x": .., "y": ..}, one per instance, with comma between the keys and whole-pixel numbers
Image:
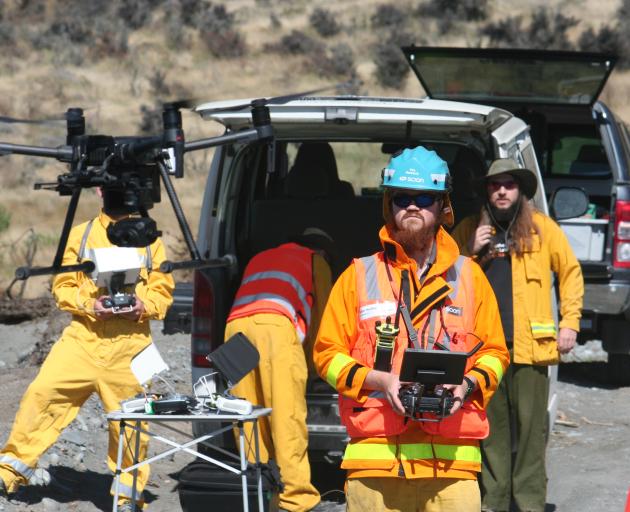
[{"x": 130, "y": 171}]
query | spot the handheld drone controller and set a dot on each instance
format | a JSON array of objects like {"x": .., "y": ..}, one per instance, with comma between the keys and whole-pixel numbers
[
  {"x": 120, "y": 302},
  {"x": 418, "y": 399}
]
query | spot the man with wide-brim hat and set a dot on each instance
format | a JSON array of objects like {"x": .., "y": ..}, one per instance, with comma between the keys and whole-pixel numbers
[
  {"x": 518, "y": 248},
  {"x": 528, "y": 184}
]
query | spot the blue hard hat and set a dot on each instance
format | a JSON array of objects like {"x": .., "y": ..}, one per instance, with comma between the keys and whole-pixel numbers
[{"x": 417, "y": 169}]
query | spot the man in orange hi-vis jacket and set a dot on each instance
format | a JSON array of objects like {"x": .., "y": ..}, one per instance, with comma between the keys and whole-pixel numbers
[{"x": 393, "y": 462}]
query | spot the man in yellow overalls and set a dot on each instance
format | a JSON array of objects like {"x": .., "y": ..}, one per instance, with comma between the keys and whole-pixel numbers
[
  {"x": 278, "y": 307},
  {"x": 93, "y": 355}
]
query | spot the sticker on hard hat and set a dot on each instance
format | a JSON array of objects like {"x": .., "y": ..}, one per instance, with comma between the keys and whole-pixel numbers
[
  {"x": 388, "y": 173},
  {"x": 438, "y": 177}
]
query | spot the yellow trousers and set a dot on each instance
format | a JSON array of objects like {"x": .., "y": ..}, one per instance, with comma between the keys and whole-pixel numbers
[
  {"x": 70, "y": 374},
  {"x": 279, "y": 382},
  {"x": 412, "y": 495}
]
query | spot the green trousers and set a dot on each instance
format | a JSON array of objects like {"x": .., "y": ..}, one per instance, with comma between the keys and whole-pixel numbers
[{"x": 518, "y": 421}]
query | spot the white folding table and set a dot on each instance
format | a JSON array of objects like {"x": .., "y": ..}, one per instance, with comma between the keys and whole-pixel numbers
[{"x": 132, "y": 421}]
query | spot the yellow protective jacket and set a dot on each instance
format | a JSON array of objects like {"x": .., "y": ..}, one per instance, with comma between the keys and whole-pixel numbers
[
  {"x": 76, "y": 292},
  {"x": 534, "y": 320},
  {"x": 414, "y": 453}
]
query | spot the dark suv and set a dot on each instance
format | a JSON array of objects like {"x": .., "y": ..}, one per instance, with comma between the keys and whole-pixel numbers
[{"x": 579, "y": 143}]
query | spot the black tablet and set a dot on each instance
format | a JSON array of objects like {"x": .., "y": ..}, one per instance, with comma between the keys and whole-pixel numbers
[{"x": 433, "y": 366}]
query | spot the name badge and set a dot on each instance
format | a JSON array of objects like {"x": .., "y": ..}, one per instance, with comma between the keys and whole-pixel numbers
[{"x": 377, "y": 309}]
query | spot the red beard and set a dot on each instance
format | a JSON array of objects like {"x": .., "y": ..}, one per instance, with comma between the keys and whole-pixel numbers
[{"x": 413, "y": 236}]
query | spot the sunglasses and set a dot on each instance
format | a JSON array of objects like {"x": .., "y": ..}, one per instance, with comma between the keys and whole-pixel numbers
[
  {"x": 496, "y": 185},
  {"x": 420, "y": 200}
]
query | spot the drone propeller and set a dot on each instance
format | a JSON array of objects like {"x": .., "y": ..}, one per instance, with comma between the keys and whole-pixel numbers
[
  {"x": 185, "y": 103},
  {"x": 70, "y": 113},
  {"x": 277, "y": 100}
]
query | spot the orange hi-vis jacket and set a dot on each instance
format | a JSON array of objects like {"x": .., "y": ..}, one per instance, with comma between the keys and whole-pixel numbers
[
  {"x": 278, "y": 280},
  {"x": 453, "y": 305}
]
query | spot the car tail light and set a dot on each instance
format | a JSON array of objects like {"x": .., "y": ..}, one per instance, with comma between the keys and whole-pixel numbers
[
  {"x": 621, "y": 253},
  {"x": 202, "y": 315}
]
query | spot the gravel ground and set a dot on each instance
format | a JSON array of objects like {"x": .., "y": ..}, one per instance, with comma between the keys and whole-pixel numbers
[{"x": 588, "y": 457}]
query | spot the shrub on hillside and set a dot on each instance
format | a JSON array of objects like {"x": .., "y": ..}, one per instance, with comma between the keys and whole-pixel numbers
[
  {"x": 459, "y": 10},
  {"x": 5, "y": 219},
  {"x": 623, "y": 28},
  {"x": 604, "y": 40},
  {"x": 157, "y": 82},
  {"x": 7, "y": 35},
  {"x": 274, "y": 21},
  {"x": 296, "y": 43},
  {"x": 135, "y": 14},
  {"x": 224, "y": 45},
  {"x": 32, "y": 12},
  {"x": 448, "y": 13},
  {"x": 150, "y": 120},
  {"x": 191, "y": 11},
  {"x": 388, "y": 15},
  {"x": 546, "y": 30},
  {"x": 109, "y": 38},
  {"x": 80, "y": 34},
  {"x": 219, "y": 34},
  {"x": 338, "y": 61},
  {"x": 391, "y": 66},
  {"x": 324, "y": 22}
]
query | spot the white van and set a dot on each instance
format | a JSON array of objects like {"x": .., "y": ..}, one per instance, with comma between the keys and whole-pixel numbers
[{"x": 323, "y": 169}]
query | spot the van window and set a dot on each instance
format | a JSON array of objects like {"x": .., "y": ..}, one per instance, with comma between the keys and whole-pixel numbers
[
  {"x": 357, "y": 163},
  {"x": 575, "y": 153}
]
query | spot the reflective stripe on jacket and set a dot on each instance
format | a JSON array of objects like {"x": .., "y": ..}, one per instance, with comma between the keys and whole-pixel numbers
[
  {"x": 345, "y": 365},
  {"x": 278, "y": 280},
  {"x": 534, "y": 320}
]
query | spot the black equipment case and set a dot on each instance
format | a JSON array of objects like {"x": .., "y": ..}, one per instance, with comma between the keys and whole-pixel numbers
[{"x": 203, "y": 486}]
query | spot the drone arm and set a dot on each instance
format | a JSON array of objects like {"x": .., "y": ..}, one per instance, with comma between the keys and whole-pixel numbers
[
  {"x": 22, "y": 273},
  {"x": 224, "y": 261},
  {"x": 63, "y": 153},
  {"x": 253, "y": 134}
]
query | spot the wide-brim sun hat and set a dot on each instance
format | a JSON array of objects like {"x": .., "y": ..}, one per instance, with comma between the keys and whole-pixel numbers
[{"x": 526, "y": 178}]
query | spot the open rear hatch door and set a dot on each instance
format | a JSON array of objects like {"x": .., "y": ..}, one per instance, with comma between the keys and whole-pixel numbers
[{"x": 499, "y": 76}]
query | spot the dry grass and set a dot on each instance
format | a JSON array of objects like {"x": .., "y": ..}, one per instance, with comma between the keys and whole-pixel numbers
[{"x": 114, "y": 89}]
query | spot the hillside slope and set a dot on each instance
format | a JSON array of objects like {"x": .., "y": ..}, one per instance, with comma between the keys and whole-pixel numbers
[{"x": 120, "y": 59}]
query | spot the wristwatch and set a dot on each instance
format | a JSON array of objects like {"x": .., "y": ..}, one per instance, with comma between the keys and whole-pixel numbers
[{"x": 470, "y": 388}]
